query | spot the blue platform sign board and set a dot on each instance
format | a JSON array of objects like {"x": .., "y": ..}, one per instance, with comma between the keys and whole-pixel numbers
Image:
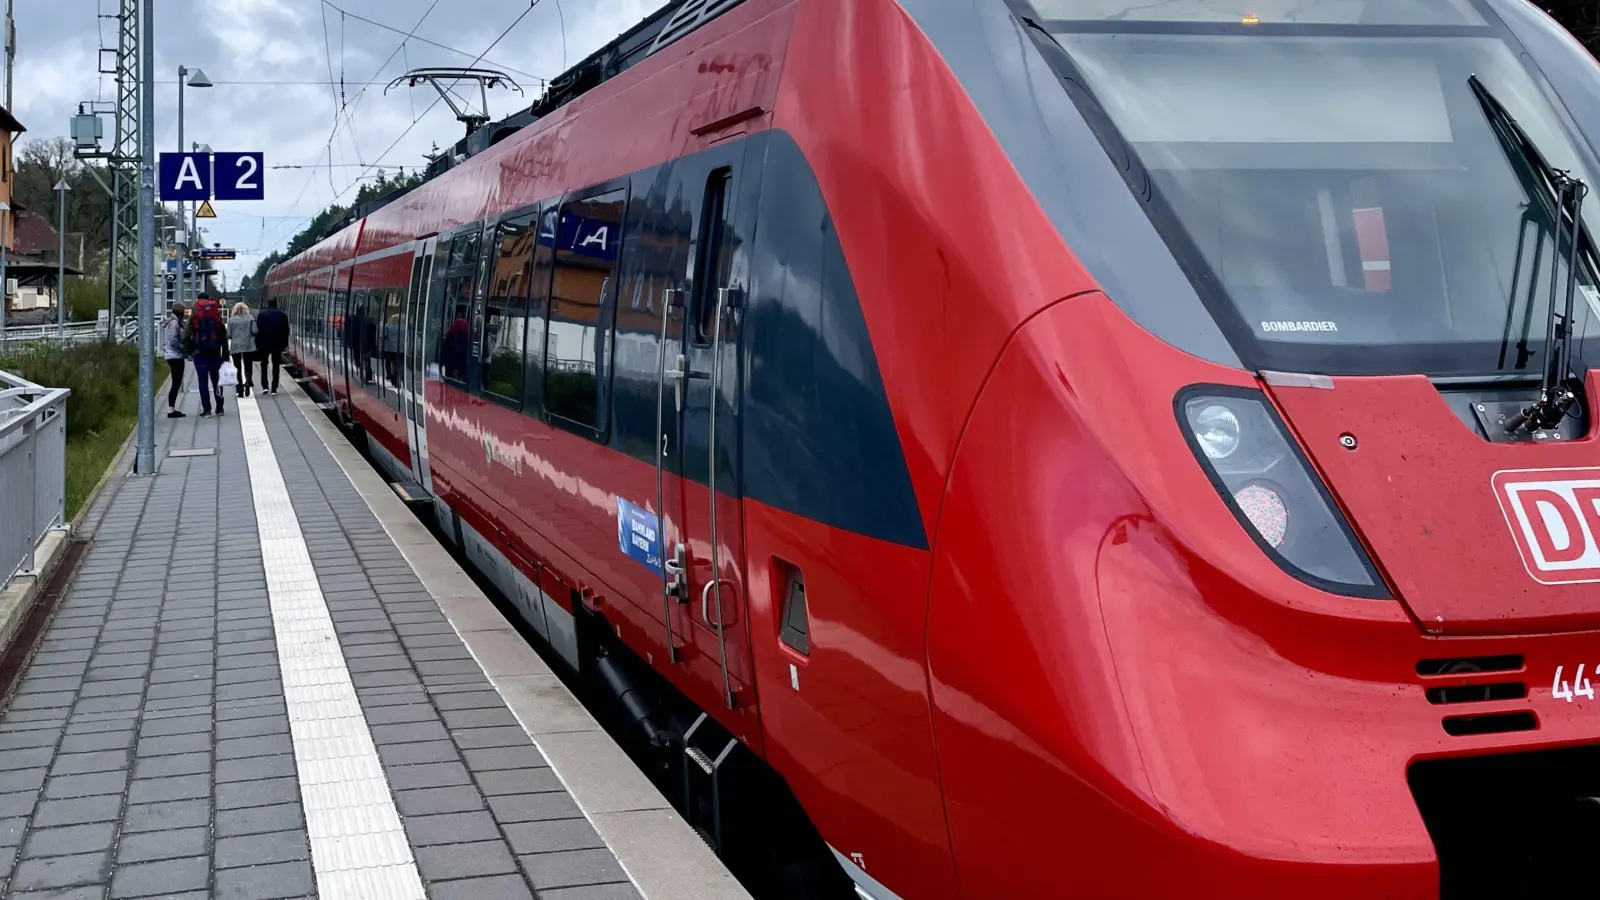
[
  {"x": 594, "y": 238},
  {"x": 185, "y": 177},
  {"x": 639, "y": 535},
  {"x": 240, "y": 176}
]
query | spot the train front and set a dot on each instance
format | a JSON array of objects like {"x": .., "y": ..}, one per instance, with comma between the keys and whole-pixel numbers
[{"x": 1271, "y": 568}]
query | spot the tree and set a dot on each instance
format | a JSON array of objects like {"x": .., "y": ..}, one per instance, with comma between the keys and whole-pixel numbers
[
  {"x": 41, "y": 163},
  {"x": 1581, "y": 17}
]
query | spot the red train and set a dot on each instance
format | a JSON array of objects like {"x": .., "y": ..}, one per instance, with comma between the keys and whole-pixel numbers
[{"x": 1080, "y": 448}]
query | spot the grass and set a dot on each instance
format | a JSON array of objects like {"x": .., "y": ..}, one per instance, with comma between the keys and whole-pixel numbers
[
  {"x": 101, "y": 411},
  {"x": 88, "y": 457}
]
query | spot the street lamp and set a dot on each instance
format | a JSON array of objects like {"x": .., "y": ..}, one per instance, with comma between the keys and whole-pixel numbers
[
  {"x": 61, "y": 260},
  {"x": 191, "y": 78},
  {"x": 5, "y": 248}
]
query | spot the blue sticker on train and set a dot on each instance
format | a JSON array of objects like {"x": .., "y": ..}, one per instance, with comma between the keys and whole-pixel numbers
[{"x": 639, "y": 534}]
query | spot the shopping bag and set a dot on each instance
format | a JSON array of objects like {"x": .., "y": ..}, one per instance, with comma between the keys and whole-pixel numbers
[{"x": 228, "y": 375}]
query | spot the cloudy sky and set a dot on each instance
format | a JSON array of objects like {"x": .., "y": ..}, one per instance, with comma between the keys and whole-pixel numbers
[{"x": 273, "y": 61}]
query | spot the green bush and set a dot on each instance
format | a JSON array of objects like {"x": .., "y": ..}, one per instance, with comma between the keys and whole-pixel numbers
[
  {"x": 104, "y": 379},
  {"x": 86, "y": 298}
]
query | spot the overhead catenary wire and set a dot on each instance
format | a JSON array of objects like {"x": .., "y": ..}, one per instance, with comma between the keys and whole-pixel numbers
[
  {"x": 515, "y": 22},
  {"x": 332, "y": 135},
  {"x": 423, "y": 40}
]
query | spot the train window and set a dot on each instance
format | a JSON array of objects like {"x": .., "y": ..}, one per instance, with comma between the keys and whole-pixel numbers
[
  {"x": 464, "y": 250},
  {"x": 505, "y": 313},
  {"x": 340, "y": 310},
  {"x": 538, "y": 306},
  {"x": 587, "y": 236},
  {"x": 711, "y": 256},
  {"x": 390, "y": 336},
  {"x": 459, "y": 281},
  {"x": 363, "y": 331}
]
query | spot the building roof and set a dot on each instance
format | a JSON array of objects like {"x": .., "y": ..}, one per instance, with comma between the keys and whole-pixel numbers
[
  {"x": 10, "y": 122},
  {"x": 34, "y": 247},
  {"x": 34, "y": 234}
]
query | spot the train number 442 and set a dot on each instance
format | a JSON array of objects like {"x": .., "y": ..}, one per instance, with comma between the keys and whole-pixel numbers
[{"x": 1580, "y": 686}]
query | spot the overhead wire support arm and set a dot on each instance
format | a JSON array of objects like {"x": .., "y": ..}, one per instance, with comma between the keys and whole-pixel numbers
[{"x": 444, "y": 78}]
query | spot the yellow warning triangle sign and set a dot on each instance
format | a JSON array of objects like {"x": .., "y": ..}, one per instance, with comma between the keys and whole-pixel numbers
[{"x": 205, "y": 211}]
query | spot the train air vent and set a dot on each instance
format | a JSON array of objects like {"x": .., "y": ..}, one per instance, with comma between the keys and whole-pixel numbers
[
  {"x": 1470, "y": 665},
  {"x": 1494, "y": 723},
  {"x": 1478, "y": 693},
  {"x": 796, "y": 630},
  {"x": 691, "y": 15}
]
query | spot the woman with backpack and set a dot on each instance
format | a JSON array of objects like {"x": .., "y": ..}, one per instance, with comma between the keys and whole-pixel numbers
[
  {"x": 209, "y": 337},
  {"x": 242, "y": 344},
  {"x": 172, "y": 342}
]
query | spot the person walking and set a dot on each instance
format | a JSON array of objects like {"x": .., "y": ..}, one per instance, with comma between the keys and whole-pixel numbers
[
  {"x": 172, "y": 349},
  {"x": 242, "y": 344},
  {"x": 272, "y": 338},
  {"x": 209, "y": 337}
]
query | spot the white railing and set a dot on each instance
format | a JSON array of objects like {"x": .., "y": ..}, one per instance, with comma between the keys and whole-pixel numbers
[
  {"x": 74, "y": 333},
  {"x": 33, "y": 470}
]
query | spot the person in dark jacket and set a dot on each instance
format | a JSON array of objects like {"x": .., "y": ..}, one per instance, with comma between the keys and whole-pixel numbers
[{"x": 272, "y": 338}]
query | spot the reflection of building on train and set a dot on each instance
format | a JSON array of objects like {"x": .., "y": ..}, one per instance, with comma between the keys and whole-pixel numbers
[{"x": 1032, "y": 448}]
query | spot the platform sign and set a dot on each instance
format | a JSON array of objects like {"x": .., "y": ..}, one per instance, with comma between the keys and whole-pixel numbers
[
  {"x": 240, "y": 176},
  {"x": 639, "y": 535},
  {"x": 218, "y": 253},
  {"x": 185, "y": 177}
]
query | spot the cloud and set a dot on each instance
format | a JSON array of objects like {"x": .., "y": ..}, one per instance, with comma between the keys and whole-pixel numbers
[{"x": 271, "y": 61}]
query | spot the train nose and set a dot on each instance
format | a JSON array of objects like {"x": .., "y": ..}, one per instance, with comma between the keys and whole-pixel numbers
[{"x": 1476, "y": 537}]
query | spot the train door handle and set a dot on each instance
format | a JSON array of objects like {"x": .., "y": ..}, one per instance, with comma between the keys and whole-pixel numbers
[
  {"x": 677, "y": 573},
  {"x": 705, "y": 604}
]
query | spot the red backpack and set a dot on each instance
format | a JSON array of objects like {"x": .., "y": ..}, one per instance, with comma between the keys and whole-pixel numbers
[{"x": 208, "y": 330}]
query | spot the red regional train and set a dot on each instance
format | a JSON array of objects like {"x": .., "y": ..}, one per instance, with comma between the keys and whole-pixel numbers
[{"x": 1034, "y": 448}]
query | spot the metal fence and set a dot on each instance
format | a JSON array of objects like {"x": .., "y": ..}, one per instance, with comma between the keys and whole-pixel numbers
[
  {"x": 16, "y": 338},
  {"x": 33, "y": 470}
]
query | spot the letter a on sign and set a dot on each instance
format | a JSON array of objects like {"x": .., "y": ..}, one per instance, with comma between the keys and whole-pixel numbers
[
  {"x": 185, "y": 177},
  {"x": 189, "y": 176}
]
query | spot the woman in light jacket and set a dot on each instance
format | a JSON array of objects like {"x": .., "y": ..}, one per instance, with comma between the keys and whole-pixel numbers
[
  {"x": 242, "y": 345},
  {"x": 172, "y": 349}
]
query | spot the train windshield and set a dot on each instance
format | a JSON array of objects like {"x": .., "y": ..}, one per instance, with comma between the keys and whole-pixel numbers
[{"x": 1330, "y": 180}]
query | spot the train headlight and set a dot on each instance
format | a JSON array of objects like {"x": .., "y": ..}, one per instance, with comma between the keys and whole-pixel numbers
[
  {"x": 1217, "y": 430},
  {"x": 1267, "y": 482}
]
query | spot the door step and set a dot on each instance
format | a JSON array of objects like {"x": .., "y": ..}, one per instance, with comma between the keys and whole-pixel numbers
[
  {"x": 411, "y": 493},
  {"x": 326, "y": 406}
]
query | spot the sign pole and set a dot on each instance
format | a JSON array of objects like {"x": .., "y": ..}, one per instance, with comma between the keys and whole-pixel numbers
[{"x": 145, "y": 459}]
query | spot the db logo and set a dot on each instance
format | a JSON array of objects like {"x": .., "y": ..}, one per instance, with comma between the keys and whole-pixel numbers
[{"x": 1554, "y": 516}]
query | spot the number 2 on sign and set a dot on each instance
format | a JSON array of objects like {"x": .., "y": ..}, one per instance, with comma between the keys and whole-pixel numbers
[{"x": 1580, "y": 686}]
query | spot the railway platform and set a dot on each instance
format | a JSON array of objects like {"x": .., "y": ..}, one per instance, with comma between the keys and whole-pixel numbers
[{"x": 266, "y": 680}]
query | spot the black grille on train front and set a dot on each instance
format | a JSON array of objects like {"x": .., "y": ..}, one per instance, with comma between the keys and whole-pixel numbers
[{"x": 1513, "y": 826}]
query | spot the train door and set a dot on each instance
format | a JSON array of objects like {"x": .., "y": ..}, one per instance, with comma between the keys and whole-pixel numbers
[
  {"x": 339, "y": 372},
  {"x": 701, "y": 383},
  {"x": 413, "y": 400}
]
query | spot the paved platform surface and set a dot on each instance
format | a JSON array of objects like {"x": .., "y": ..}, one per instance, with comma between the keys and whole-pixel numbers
[{"x": 248, "y": 693}]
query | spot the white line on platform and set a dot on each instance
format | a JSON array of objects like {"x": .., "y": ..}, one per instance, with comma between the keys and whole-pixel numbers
[{"x": 358, "y": 846}]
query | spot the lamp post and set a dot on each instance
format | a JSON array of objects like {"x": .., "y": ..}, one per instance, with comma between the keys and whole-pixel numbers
[
  {"x": 191, "y": 78},
  {"x": 5, "y": 248},
  {"x": 61, "y": 260},
  {"x": 197, "y": 281}
]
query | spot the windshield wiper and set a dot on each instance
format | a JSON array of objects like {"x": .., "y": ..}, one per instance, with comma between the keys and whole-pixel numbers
[{"x": 1562, "y": 198}]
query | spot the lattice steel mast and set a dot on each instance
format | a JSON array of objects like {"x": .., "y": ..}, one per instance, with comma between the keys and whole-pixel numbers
[{"x": 124, "y": 162}]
